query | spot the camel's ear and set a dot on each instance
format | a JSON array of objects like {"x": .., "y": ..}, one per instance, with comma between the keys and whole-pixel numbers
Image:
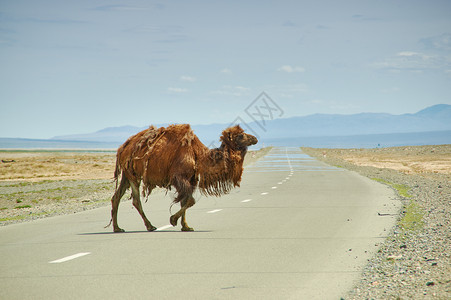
[
  {"x": 225, "y": 138},
  {"x": 230, "y": 137}
]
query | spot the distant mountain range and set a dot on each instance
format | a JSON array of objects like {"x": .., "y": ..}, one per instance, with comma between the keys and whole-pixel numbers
[
  {"x": 429, "y": 126},
  {"x": 434, "y": 118}
]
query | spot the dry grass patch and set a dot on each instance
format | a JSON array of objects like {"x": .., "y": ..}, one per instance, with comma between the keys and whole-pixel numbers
[
  {"x": 36, "y": 166},
  {"x": 421, "y": 160}
]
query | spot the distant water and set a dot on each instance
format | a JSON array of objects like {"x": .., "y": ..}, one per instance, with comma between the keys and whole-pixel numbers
[
  {"x": 366, "y": 141},
  {"x": 11, "y": 143},
  {"x": 355, "y": 141}
]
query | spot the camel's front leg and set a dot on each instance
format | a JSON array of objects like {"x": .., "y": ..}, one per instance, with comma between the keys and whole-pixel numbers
[
  {"x": 185, "y": 226},
  {"x": 187, "y": 204}
]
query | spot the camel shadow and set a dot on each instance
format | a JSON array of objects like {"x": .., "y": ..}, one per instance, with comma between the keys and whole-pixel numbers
[{"x": 142, "y": 232}]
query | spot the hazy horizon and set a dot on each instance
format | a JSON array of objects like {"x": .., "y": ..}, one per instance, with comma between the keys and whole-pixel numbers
[
  {"x": 248, "y": 125},
  {"x": 81, "y": 66}
]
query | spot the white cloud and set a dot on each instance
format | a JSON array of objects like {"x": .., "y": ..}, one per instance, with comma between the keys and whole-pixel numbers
[
  {"x": 290, "y": 69},
  {"x": 408, "y": 53},
  {"x": 412, "y": 61},
  {"x": 242, "y": 88},
  {"x": 236, "y": 91},
  {"x": 119, "y": 8},
  {"x": 177, "y": 90},
  {"x": 188, "y": 78},
  {"x": 226, "y": 71}
]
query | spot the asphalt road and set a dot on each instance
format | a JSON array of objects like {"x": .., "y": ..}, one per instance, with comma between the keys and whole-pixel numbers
[{"x": 296, "y": 229}]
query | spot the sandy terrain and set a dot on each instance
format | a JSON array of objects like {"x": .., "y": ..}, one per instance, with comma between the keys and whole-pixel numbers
[
  {"x": 47, "y": 165},
  {"x": 423, "y": 160}
]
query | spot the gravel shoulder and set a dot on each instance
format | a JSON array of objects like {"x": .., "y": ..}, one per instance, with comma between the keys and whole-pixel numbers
[{"x": 414, "y": 261}]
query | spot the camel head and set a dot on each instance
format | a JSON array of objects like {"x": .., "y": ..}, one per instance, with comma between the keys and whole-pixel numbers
[{"x": 235, "y": 138}]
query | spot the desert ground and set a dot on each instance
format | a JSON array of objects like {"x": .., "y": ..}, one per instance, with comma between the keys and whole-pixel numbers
[
  {"x": 36, "y": 166},
  {"x": 420, "y": 160}
]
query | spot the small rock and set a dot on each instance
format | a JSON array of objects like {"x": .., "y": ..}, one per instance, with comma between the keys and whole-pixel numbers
[{"x": 394, "y": 257}]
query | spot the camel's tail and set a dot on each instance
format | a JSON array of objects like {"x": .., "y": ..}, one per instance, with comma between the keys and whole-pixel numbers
[
  {"x": 117, "y": 171},
  {"x": 109, "y": 224}
]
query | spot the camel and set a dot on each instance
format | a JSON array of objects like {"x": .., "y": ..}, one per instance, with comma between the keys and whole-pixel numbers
[{"x": 174, "y": 157}]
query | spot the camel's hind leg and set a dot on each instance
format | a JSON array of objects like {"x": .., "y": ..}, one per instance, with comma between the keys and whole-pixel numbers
[
  {"x": 120, "y": 191},
  {"x": 138, "y": 206},
  {"x": 186, "y": 202},
  {"x": 185, "y": 189}
]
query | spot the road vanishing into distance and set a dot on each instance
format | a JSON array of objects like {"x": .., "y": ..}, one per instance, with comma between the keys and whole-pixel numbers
[{"x": 296, "y": 229}]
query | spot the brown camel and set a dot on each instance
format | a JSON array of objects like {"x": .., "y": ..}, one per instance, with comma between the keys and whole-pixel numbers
[{"x": 175, "y": 157}]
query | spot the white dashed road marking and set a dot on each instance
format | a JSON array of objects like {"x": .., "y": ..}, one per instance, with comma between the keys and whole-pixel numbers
[
  {"x": 247, "y": 200},
  {"x": 213, "y": 211},
  {"x": 67, "y": 258},
  {"x": 164, "y": 227},
  {"x": 264, "y": 194}
]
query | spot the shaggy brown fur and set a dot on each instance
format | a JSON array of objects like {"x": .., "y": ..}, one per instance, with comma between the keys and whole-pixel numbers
[{"x": 175, "y": 157}]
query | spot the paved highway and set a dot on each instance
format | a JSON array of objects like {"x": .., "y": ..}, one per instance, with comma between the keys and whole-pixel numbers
[{"x": 296, "y": 229}]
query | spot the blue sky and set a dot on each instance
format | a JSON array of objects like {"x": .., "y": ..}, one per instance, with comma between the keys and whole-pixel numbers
[{"x": 71, "y": 67}]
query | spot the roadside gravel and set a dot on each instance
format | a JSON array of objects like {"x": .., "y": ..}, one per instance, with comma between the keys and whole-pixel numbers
[
  {"x": 26, "y": 201},
  {"x": 415, "y": 260}
]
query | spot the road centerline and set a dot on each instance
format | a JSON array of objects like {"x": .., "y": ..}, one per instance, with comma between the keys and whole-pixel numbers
[
  {"x": 164, "y": 227},
  {"x": 67, "y": 258}
]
